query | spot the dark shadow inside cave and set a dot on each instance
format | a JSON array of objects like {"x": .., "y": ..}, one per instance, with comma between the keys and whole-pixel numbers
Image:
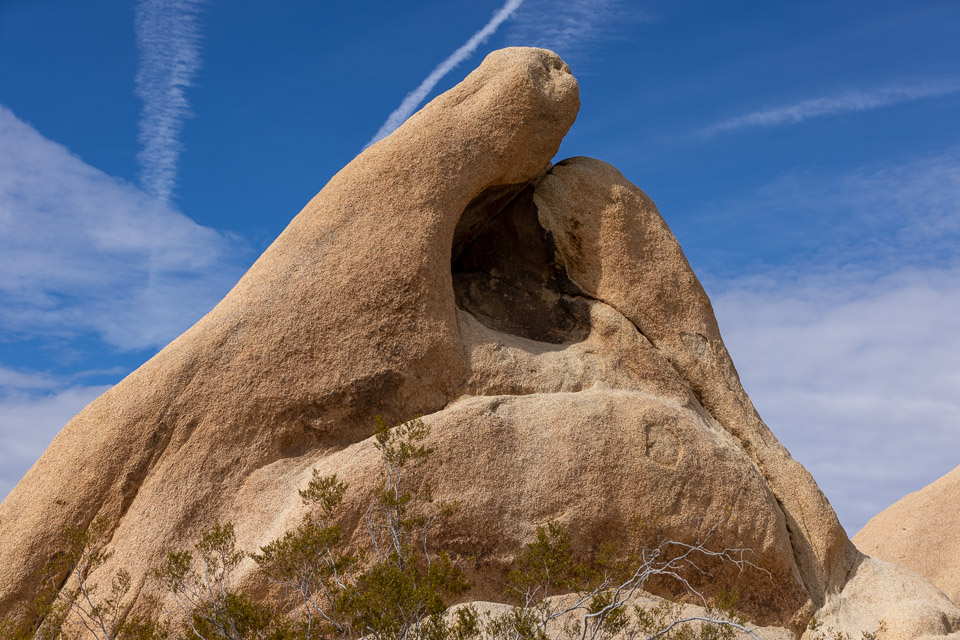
[{"x": 506, "y": 272}]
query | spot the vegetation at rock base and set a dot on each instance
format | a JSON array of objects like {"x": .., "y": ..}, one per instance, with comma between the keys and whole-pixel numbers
[
  {"x": 558, "y": 596},
  {"x": 309, "y": 564},
  {"x": 400, "y": 588},
  {"x": 69, "y": 605},
  {"x": 206, "y": 604}
]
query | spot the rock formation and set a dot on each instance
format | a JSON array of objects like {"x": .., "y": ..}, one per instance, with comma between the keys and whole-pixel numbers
[
  {"x": 922, "y": 533},
  {"x": 544, "y": 321}
]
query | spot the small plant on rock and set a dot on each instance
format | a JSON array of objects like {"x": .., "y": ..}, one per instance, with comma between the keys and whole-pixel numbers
[
  {"x": 404, "y": 593},
  {"x": 200, "y": 584},
  {"x": 310, "y": 565}
]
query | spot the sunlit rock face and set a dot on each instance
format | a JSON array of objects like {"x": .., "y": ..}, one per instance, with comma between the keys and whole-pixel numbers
[
  {"x": 541, "y": 318},
  {"x": 922, "y": 533}
]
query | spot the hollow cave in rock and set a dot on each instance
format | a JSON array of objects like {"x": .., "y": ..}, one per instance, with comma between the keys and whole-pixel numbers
[{"x": 506, "y": 272}]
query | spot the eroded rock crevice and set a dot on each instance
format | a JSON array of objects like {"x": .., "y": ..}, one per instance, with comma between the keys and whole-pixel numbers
[{"x": 506, "y": 274}]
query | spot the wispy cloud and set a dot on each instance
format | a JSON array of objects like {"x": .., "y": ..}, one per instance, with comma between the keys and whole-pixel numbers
[
  {"x": 881, "y": 216},
  {"x": 168, "y": 39},
  {"x": 856, "y": 374},
  {"x": 13, "y": 379},
  {"x": 846, "y": 339},
  {"x": 568, "y": 28},
  {"x": 87, "y": 254},
  {"x": 88, "y": 260},
  {"x": 847, "y": 102},
  {"x": 418, "y": 95}
]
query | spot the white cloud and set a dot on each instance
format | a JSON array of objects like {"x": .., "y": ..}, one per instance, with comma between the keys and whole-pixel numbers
[
  {"x": 857, "y": 375},
  {"x": 87, "y": 253},
  {"x": 168, "y": 40},
  {"x": 848, "y": 343},
  {"x": 848, "y": 102},
  {"x": 467, "y": 49},
  {"x": 914, "y": 206},
  {"x": 12, "y": 379}
]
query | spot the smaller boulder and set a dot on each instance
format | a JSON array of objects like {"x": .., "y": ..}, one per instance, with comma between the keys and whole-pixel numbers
[{"x": 919, "y": 532}]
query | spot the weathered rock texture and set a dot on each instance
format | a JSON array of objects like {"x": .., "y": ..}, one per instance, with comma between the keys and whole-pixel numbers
[
  {"x": 880, "y": 596},
  {"x": 543, "y": 319},
  {"x": 922, "y": 533}
]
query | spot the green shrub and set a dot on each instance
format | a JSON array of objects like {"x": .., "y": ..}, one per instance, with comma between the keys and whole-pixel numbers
[
  {"x": 207, "y": 606},
  {"x": 401, "y": 589},
  {"x": 310, "y": 565}
]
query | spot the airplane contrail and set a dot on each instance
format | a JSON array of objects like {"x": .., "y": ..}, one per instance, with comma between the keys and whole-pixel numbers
[
  {"x": 415, "y": 97},
  {"x": 168, "y": 39}
]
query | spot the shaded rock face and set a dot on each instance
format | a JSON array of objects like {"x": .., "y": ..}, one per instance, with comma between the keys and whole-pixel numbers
[
  {"x": 921, "y": 532},
  {"x": 543, "y": 319},
  {"x": 508, "y": 278}
]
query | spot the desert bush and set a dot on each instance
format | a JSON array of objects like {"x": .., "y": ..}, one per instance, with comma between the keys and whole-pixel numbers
[
  {"x": 310, "y": 565},
  {"x": 596, "y": 596},
  {"x": 400, "y": 588},
  {"x": 403, "y": 588},
  {"x": 70, "y": 604},
  {"x": 199, "y": 583},
  {"x": 406, "y": 590}
]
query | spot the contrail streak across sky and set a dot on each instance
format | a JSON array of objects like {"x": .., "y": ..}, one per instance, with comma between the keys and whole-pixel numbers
[
  {"x": 417, "y": 96},
  {"x": 829, "y": 105},
  {"x": 168, "y": 40}
]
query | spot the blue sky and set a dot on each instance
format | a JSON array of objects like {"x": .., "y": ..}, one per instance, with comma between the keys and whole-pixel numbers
[{"x": 807, "y": 156}]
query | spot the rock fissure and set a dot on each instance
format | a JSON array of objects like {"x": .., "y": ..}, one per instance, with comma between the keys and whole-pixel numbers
[{"x": 795, "y": 551}]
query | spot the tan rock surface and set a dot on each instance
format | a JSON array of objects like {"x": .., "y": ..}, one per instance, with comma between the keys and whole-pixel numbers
[
  {"x": 545, "y": 322},
  {"x": 597, "y": 460},
  {"x": 348, "y": 313},
  {"x": 617, "y": 248},
  {"x": 921, "y": 532},
  {"x": 881, "y": 597}
]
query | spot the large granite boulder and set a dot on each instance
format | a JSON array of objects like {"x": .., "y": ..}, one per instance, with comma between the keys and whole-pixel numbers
[{"x": 544, "y": 321}]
